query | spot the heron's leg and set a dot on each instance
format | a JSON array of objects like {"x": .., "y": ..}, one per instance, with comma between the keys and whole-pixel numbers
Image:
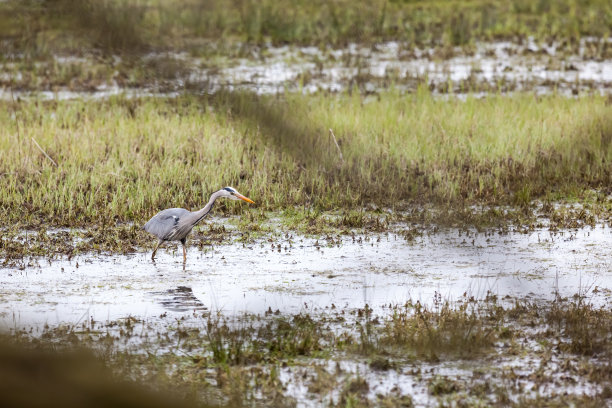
[
  {"x": 155, "y": 250},
  {"x": 184, "y": 250}
]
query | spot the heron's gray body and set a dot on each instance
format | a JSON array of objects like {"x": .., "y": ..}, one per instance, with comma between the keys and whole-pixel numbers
[{"x": 174, "y": 224}]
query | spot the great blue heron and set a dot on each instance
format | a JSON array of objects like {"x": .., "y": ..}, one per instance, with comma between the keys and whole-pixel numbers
[{"x": 174, "y": 224}]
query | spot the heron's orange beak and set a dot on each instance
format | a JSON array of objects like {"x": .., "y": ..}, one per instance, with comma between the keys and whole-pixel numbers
[{"x": 248, "y": 200}]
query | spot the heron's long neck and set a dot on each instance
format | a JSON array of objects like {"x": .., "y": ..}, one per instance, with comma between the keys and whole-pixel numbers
[{"x": 204, "y": 211}]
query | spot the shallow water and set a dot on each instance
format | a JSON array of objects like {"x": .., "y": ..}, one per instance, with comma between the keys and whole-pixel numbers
[
  {"x": 502, "y": 65},
  {"x": 303, "y": 274},
  {"x": 488, "y": 67},
  {"x": 406, "y": 381},
  {"x": 328, "y": 277}
]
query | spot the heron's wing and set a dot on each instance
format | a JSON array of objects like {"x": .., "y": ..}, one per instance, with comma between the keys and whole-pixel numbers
[{"x": 164, "y": 222}]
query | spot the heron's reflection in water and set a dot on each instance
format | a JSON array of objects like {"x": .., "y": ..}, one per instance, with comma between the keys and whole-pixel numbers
[{"x": 180, "y": 299}]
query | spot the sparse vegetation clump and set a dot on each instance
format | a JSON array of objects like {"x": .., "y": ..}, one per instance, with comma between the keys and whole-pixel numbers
[
  {"x": 441, "y": 332},
  {"x": 582, "y": 328},
  {"x": 279, "y": 338}
]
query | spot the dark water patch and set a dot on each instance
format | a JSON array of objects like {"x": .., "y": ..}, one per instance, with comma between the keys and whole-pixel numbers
[{"x": 179, "y": 299}]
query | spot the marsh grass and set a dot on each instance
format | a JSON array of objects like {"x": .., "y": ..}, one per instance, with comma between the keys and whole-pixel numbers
[
  {"x": 84, "y": 163},
  {"x": 442, "y": 331},
  {"x": 132, "y": 26},
  {"x": 280, "y": 338},
  {"x": 583, "y": 328},
  {"x": 42, "y": 28}
]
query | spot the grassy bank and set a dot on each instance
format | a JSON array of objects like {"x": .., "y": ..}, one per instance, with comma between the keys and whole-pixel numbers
[
  {"x": 77, "y": 163},
  {"x": 122, "y": 25}
]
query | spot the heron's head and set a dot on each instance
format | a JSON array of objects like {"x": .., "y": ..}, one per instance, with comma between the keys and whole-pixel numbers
[{"x": 231, "y": 193}]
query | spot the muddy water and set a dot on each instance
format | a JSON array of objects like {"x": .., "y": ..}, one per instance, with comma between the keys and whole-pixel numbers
[{"x": 303, "y": 274}]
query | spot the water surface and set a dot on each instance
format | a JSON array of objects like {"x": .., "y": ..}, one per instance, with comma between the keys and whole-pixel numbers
[{"x": 305, "y": 274}]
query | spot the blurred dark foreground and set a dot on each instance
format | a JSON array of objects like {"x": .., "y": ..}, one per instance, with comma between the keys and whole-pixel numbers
[{"x": 35, "y": 376}]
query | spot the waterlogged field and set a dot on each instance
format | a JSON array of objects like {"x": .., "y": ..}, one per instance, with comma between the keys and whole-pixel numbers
[
  {"x": 498, "y": 67},
  {"x": 433, "y": 189},
  {"x": 404, "y": 249},
  {"x": 494, "y": 318},
  {"x": 438, "y": 258},
  {"x": 68, "y": 48}
]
